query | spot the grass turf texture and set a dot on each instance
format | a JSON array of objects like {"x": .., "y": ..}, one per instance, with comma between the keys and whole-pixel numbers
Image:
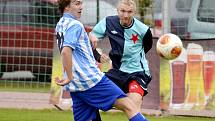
[
  {"x": 56, "y": 115},
  {"x": 24, "y": 86}
]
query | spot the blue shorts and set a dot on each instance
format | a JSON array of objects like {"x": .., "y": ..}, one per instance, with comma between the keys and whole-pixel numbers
[{"x": 102, "y": 96}]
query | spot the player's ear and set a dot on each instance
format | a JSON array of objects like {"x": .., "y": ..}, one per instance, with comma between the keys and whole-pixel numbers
[
  {"x": 117, "y": 10},
  {"x": 66, "y": 8}
]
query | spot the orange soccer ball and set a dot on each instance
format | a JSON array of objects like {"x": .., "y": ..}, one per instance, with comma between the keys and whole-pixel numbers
[{"x": 169, "y": 46}]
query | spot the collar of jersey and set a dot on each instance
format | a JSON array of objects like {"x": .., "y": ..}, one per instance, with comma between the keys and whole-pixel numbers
[
  {"x": 68, "y": 15},
  {"x": 127, "y": 27}
]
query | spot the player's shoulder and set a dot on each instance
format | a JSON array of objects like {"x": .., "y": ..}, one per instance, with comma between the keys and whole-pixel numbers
[
  {"x": 69, "y": 22},
  {"x": 140, "y": 23},
  {"x": 74, "y": 24}
]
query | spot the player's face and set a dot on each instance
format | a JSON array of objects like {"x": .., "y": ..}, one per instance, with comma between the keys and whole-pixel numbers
[
  {"x": 75, "y": 8},
  {"x": 125, "y": 13}
]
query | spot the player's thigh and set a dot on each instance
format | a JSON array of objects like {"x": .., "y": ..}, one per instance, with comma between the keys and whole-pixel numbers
[
  {"x": 134, "y": 87},
  {"x": 136, "y": 99},
  {"x": 102, "y": 95},
  {"x": 135, "y": 92},
  {"x": 125, "y": 104},
  {"x": 81, "y": 110}
]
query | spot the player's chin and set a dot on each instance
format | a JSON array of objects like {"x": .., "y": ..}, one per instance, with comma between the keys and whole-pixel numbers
[
  {"x": 126, "y": 22},
  {"x": 78, "y": 15}
]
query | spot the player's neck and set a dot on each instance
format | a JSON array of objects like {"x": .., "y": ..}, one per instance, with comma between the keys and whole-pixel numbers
[{"x": 127, "y": 25}]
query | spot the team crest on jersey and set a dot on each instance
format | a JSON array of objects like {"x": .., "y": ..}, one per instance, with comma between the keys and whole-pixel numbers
[
  {"x": 134, "y": 38},
  {"x": 114, "y": 32}
]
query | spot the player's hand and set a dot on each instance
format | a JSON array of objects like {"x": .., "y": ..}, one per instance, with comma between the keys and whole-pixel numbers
[
  {"x": 104, "y": 58},
  {"x": 61, "y": 82},
  {"x": 93, "y": 40}
]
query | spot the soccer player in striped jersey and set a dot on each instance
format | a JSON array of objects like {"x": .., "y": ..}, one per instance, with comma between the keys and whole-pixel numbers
[{"x": 89, "y": 88}]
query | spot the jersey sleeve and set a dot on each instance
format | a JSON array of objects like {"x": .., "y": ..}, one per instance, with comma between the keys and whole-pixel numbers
[
  {"x": 147, "y": 41},
  {"x": 99, "y": 29},
  {"x": 72, "y": 36}
]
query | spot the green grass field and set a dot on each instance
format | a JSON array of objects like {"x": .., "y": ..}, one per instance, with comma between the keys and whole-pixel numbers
[
  {"x": 18, "y": 87},
  {"x": 56, "y": 115}
]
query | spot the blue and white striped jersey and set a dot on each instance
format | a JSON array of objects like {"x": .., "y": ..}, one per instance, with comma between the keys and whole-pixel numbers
[{"x": 71, "y": 33}]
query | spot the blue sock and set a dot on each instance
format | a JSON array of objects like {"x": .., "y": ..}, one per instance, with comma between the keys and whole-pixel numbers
[{"x": 138, "y": 117}]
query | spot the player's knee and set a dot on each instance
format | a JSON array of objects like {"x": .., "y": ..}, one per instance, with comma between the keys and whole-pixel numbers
[
  {"x": 127, "y": 105},
  {"x": 131, "y": 108}
]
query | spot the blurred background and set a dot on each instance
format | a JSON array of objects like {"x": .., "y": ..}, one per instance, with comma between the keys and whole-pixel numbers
[{"x": 27, "y": 43}]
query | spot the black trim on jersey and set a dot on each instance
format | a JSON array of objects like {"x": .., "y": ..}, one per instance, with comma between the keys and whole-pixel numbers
[
  {"x": 141, "y": 61},
  {"x": 127, "y": 27},
  {"x": 97, "y": 56},
  {"x": 147, "y": 41}
]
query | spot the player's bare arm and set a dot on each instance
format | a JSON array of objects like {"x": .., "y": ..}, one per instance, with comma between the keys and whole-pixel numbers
[
  {"x": 100, "y": 57},
  {"x": 66, "y": 55},
  {"x": 93, "y": 40},
  {"x": 104, "y": 58},
  {"x": 60, "y": 82}
]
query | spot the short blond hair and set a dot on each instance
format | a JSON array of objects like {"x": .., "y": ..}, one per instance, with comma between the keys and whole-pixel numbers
[{"x": 127, "y": 2}]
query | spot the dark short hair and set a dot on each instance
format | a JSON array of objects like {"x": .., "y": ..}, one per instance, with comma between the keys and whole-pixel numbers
[{"x": 62, "y": 4}]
